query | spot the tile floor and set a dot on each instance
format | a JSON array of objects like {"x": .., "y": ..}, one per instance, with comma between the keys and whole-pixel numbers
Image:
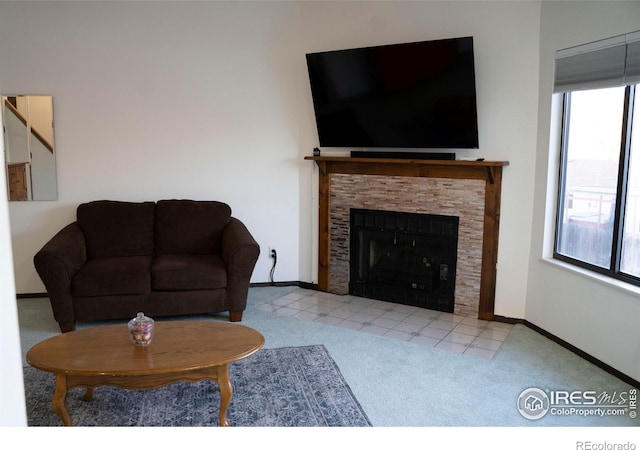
[{"x": 446, "y": 331}]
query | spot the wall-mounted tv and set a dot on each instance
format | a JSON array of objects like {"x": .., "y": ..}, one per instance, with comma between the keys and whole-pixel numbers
[{"x": 419, "y": 95}]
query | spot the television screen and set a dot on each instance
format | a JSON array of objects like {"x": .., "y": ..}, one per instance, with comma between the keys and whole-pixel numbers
[{"x": 414, "y": 95}]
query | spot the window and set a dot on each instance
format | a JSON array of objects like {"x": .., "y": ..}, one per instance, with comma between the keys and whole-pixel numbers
[{"x": 598, "y": 219}]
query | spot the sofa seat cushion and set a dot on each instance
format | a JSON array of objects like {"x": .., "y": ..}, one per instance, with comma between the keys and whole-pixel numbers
[
  {"x": 188, "y": 272},
  {"x": 125, "y": 275}
]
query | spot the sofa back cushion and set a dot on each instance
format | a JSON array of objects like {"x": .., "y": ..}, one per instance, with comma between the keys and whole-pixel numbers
[
  {"x": 190, "y": 226},
  {"x": 113, "y": 228}
]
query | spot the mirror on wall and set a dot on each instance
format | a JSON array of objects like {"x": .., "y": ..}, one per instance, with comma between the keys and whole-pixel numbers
[{"x": 30, "y": 155}]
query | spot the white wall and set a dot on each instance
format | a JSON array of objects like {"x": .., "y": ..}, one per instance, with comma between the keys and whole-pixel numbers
[
  {"x": 12, "y": 403},
  {"x": 210, "y": 100},
  {"x": 162, "y": 100},
  {"x": 594, "y": 315}
]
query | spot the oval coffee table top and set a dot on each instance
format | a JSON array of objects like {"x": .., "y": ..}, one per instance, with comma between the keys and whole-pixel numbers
[{"x": 176, "y": 346}]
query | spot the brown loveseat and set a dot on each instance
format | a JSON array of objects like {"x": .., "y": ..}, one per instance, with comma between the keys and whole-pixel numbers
[{"x": 173, "y": 257}]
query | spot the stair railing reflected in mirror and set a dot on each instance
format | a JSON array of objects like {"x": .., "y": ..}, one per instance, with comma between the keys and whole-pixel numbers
[{"x": 29, "y": 153}]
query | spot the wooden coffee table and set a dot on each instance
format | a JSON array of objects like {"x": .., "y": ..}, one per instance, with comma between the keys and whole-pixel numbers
[{"x": 180, "y": 351}]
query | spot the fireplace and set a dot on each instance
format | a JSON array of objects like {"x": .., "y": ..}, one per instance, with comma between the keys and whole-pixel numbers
[
  {"x": 467, "y": 189},
  {"x": 406, "y": 258}
]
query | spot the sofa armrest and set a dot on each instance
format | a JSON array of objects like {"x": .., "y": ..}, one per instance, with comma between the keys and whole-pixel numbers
[
  {"x": 57, "y": 263},
  {"x": 240, "y": 253}
]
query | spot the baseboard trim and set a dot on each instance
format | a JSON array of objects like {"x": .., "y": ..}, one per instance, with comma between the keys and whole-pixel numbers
[
  {"x": 33, "y": 295},
  {"x": 300, "y": 284},
  {"x": 510, "y": 320},
  {"x": 581, "y": 353}
]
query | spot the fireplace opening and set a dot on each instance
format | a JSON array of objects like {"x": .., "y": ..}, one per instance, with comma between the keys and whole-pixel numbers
[{"x": 406, "y": 258}]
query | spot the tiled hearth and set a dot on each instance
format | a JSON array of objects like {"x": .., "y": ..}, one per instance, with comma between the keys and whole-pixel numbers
[{"x": 444, "y": 331}]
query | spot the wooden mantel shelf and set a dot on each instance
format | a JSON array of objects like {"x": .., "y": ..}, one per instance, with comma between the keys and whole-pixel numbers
[
  {"x": 489, "y": 171},
  {"x": 468, "y": 170}
]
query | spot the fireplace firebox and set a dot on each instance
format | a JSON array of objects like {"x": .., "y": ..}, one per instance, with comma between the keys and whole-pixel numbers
[{"x": 405, "y": 258}]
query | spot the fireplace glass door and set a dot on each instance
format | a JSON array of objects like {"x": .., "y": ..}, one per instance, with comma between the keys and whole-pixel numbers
[{"x": 404, "y": 258}]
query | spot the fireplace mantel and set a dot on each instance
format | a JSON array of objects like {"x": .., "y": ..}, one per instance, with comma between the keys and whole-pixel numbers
[{"x": 489, "y": 171}]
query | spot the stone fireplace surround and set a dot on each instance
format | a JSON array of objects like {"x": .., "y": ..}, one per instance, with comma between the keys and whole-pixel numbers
[
  {"x": 461, "y": 198},
  {"x": 467, "y": 189}
]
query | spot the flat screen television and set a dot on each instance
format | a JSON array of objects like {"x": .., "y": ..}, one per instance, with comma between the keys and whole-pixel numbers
[{"x": 419, "y": 95}]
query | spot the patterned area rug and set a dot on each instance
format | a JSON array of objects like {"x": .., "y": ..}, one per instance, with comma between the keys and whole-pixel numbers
[{"x": 282, "y": 387}]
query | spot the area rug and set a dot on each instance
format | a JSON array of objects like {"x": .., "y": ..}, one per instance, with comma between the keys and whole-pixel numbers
[{"x": 281, "y": 387}]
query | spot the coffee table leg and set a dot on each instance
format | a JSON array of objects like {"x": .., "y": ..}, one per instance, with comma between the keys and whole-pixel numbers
[
  {"x": 88, "y": 395},
  {"x": 59, "y": 401},
  {"x": 226, "y": 392}
]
